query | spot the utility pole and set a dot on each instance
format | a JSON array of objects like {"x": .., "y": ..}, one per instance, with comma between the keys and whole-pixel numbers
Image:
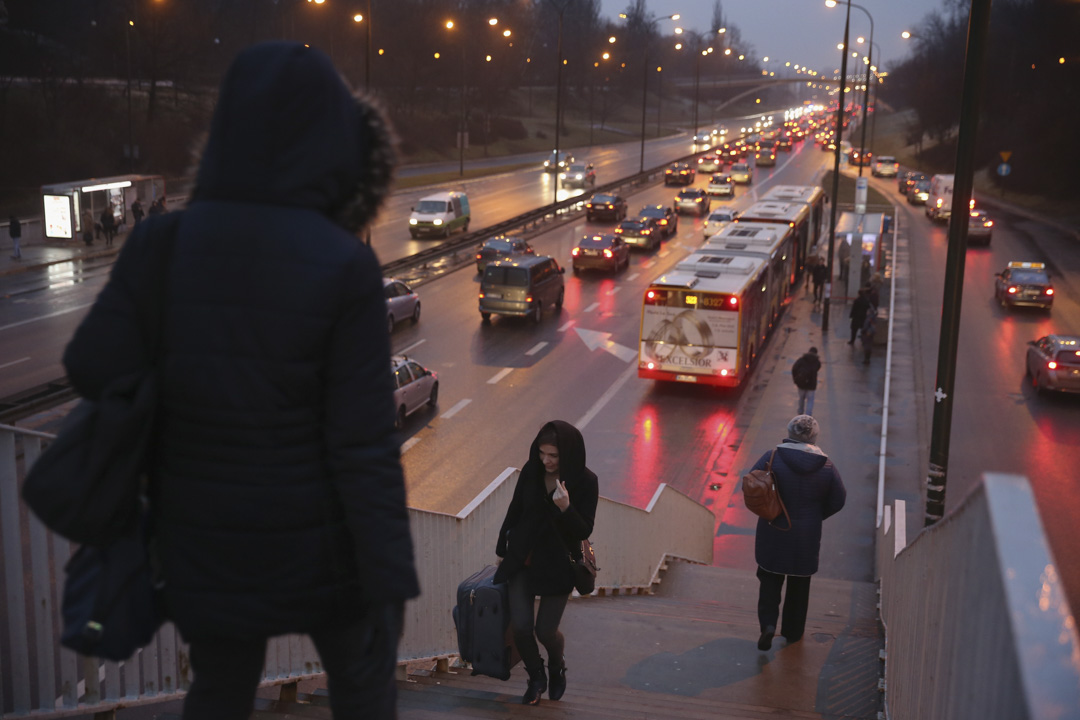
[
  {"x": 836, "y": 174},
  {"x": 971, "y": 99}
]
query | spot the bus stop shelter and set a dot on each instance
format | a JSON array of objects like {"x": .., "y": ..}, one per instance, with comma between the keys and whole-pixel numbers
[
  {"x": 863, "y": 234},
  {"x": 67, "y": 204}
]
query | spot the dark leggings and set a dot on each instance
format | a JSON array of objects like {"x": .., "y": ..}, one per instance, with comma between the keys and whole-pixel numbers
[
  {"x": 359, "y": 660},
  {"x": 543, "y": 627}
]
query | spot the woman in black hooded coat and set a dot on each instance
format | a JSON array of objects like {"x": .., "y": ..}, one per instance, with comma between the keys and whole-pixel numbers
[{"x": 552, "y": 511}]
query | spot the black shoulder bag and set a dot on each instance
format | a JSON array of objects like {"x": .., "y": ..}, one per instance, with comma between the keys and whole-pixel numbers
[{"x": 88, "y": 487}]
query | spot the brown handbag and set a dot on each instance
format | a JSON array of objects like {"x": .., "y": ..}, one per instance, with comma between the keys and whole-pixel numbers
[{"x": 762, "y": 496}]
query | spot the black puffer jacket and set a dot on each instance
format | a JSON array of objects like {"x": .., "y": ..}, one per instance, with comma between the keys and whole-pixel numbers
[
  {"x": 279, "y": 498},
  {"x": 536, "y": 530}
]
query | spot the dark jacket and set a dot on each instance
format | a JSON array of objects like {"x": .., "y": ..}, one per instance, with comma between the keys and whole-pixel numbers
[
  {"x": 812, "y": 490},
  {"x": 535, "y": 531},
  {"x": 14, "y": 228},
  {"x": 820, "y": 273},
  {"x": 859, "y": 308},
  {"x": 279, "y": 493},
  {"x": 812, "y": 364}
]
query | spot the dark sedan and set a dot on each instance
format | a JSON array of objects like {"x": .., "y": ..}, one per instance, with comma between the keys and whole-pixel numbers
[
  {"x": 664, "y": 216},
  {"x": 640, "y": 232},
  {"x": 679, "y": 174},
  {"x": 501, "y": 247},
  {"x": 601, "y": 252},
  {"x": 1024, "y": 283},
  {"x": 603, "y": 206}
]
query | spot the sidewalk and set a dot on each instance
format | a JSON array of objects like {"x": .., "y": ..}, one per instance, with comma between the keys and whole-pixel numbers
[{"x": 40, "y": 255}]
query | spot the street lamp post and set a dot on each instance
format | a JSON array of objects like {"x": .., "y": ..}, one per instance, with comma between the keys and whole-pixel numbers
[
  {"x": 559, "y": 9},
  {"x": 874, "y": 77},
  {"x": 836, "y": 171},
  {"x": 866, "y": 92}
]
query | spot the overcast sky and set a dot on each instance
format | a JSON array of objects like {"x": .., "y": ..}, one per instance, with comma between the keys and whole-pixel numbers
[{"x": 803, "y": 32}]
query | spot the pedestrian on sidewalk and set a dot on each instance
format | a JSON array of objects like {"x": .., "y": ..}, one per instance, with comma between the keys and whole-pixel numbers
[
  {"x": 552, "y": 511},
  {"x": 821, "y": 274},
  {"x": 844, "y": 254},
  {"x": 811, "y": 263},
  {"x": 158, "y": 206},
  {"x": 867, "y": 333},
  {"x": 804, "y": 373},
  {"x": 136, "y": 210},
  {"x": 88, "y": 227},
  {"x": 859, "y": 308},
  {"x": 108, "y": 224},
  {"x": 15, "y": 233},
  {"x": 812, "y": 490},
  {"x": 278, "y": 494}
]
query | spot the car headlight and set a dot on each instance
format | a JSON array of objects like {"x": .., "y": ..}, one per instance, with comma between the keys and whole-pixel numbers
[
  {"x": 437, "y": 221},
  {"x": 578, "y": 176},
  {"x": 412, "y": 221}
]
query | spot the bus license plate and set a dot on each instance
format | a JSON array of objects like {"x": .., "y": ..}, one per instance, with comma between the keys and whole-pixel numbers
[{"x": 686, "y": 378}]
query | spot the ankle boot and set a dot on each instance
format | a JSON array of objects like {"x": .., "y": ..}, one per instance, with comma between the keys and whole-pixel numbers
[
  {"x": 557, "y": 679},
  {"x": 537, "y": 686}
]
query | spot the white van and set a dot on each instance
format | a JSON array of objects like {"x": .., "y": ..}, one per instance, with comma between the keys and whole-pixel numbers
[
  {"x": 439, "y": 215},
  {"x": 939, "y": 201}
]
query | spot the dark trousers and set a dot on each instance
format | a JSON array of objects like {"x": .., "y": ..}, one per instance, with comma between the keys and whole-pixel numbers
[
  {"x": 359, "y": 660},
  {"x": 543, "y": 626},
  {"x": 796, "y": 603}
]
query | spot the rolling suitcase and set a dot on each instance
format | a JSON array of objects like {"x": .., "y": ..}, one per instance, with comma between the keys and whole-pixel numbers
[{"x": 482, "y": 618}]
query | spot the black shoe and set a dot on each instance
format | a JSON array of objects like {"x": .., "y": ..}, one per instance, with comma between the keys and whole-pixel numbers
[
  {"x": 792, "y": 640},
  {"x": 765, "y": 641},
  {"x": 556, "y": 681},
  {"x": 537, "y": 686}
]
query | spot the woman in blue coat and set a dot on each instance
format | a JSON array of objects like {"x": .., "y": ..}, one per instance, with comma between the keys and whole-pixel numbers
[
  {"x": 277, "y": 492},
  {"x": 811, "y": 490}
]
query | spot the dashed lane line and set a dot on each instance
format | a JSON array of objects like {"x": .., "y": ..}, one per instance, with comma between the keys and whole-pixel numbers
[
  {"x": 456, "y": 409},
  {"x": 592, "y": 307},
  {"x": 537, "y": 347},
  {"x": 13, "y": 362},
  {"x": 500, "y": 375},
  {"x": 411, "y": 347},
  {"x": 408, "y": 444},
  {"x": 566, "y": 326}
]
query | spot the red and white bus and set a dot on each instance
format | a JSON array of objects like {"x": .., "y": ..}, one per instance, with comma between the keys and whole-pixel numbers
[
  {"x": 774, "y": 243},
  {"x": 811, "y": 227},
  {"x": 706, "y": 321}
]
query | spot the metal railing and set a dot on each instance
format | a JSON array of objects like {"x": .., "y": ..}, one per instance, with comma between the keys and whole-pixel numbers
[
  {"x": 48, "y": 681},
  {"x": 977, "y": 623}
]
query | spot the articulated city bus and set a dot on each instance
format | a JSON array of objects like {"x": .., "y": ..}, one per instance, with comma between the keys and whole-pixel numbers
[
  {"x": 813, "y": 197},
  {"x": 706, "y": 321},
  {"x": 794, "y": 215},
  {"x": 772, "y": 242}
]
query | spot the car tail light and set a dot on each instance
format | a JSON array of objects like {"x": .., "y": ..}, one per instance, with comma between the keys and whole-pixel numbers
[
  {"x": 588, "y": 205},
  {"x": 646, "y": 232},
  {"x": 608, "y": 253},
  {"x": 664, "y": 221},
  {"x": 618, "y": 231},
  {"x": 1052, "y": 365},
  {"x": 1049, "y": 291},
  {"x": 481, "y": 296},
  {"x": 528, "y": 298},
  {"x": 988, "y": 223},
  {"x": 479, "y": 256},
  {"x": 576, "y": 251},
  {"x": 1013, "y": 289}
]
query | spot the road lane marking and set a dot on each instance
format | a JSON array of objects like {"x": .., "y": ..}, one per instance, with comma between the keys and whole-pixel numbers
[
  {"x": 647, "y": 265},
  {"x": 500, "y": 375},
  {"x": 594, "y": 339},
  {"x": 592, "y": 307},
  {"x": 408, "y": 444},
  {"x": 456, "y": 409},
  {"x": 537, "y": 347},
  {"x": 414, "y": 345},
  {"x": 633, "y": 277},
  {"x": 13, "y": 362},
  {"x": 664, "y": 253},
  {"x": 566, "y": 326},
  {"x": 45, "y": 317},
  {"x": 612, "y": 292},
  {"x": 630, "y": 371}
]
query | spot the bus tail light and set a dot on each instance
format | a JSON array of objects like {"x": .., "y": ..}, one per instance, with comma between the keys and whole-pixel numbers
[
  {"x": 528, "y": 299},
  {"x": 733, "y": 301},
  {"x": 1052, "y": 365}
]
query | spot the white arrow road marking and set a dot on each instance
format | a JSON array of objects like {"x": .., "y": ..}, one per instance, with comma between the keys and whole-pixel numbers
[
  {"x": 594, "y": 339},
  {"x": 537, "y": 347},
  {"x": 14, "y": 362},
  {"x": 456, "y": 409},
  {"x": 500, "y": 375}
]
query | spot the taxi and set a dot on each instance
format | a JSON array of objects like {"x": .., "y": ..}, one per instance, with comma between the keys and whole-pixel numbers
[
  {"x": 1026, "y": 284},
  {"x": 1053, "y": 363}
]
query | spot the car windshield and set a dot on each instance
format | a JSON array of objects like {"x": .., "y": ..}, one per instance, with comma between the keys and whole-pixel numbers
[
  {"x": 603, "y": 198},
  {"x": 1033, "y": 277},
  {"x": 740, "y": 168},
  {"x": 887, "y": 160},
  {"x": 693, "y": 193},
  {"x": 721, "y": 179},
  {"x": 577, "y": 168},
  {"x": 922, "y": 185},
  {"x": 431, "y": 206},
  {"x": 505, "y": 275},
  {"x": 595, "y": 241},
  {"x": 1068, "y": 356},
  {"x": 720, "y": 216},
  {"x": 499, "y": 245}
]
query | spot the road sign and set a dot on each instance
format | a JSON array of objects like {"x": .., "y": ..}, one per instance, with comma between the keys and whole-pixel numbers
[
  {"x": 1005, "y": 155},
  {"x": 1004, "y": 169}
]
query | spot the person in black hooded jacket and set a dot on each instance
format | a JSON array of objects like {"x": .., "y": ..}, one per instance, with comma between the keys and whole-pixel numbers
[
  {"x": 277, "y": 490},
  {"x": 811, "y": 489},
  {"x": 552, "y": 511}
]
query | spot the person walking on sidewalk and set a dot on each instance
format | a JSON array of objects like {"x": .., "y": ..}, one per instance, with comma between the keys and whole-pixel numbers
[
  {"x": 88, "y": 227},
  {"x": 859, "y": 308},
  {"x": 821, "y": 274},
  {"x": 136, "y": 210},
  {"x": 552, "y": 511},
  {"x": 867, "y": 333},
  {"x": 108, "y": 224},
  {"x": 811, "y": 263},
  {"x": 812, "y": 491},
  {"x": 15, "y": 233},
  {"x": 279, "y": 497},
  {"x": 844, "y": 255},
  {"x": 804, "y": 373}
]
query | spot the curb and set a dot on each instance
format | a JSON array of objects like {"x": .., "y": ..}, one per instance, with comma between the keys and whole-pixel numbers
[{"x": 45, "y": 264}]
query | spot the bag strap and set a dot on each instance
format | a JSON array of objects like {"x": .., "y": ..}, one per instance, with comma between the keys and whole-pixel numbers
[{"x": 783, "y": 507}]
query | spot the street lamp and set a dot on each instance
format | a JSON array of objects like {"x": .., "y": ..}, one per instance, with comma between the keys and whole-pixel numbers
[
  {"x": 866, "y": 93},
  {"x": 559, "y": 62},
  {"x": 463, "y": 131},
  {"x": 699, "y": 40},
  {"x": 645, "y": 85},
  {"x": 836, "y": 165}
]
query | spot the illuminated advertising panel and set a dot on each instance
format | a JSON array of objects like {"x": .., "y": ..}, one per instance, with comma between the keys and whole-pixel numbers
[{"x": 58, "y": 216}]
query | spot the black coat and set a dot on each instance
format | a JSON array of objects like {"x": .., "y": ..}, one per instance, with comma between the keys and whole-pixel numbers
[
  {"x": 812, "y": 490},
  {"x": 279, "y": 493},
  {"x": 536, "y": 537},
  {"x": 812, "y": 364},
  {"x": 859, "y": 308}
]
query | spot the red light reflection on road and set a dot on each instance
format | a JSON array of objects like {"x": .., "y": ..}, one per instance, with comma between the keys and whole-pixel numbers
[{"x": 646, "y": 472}]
